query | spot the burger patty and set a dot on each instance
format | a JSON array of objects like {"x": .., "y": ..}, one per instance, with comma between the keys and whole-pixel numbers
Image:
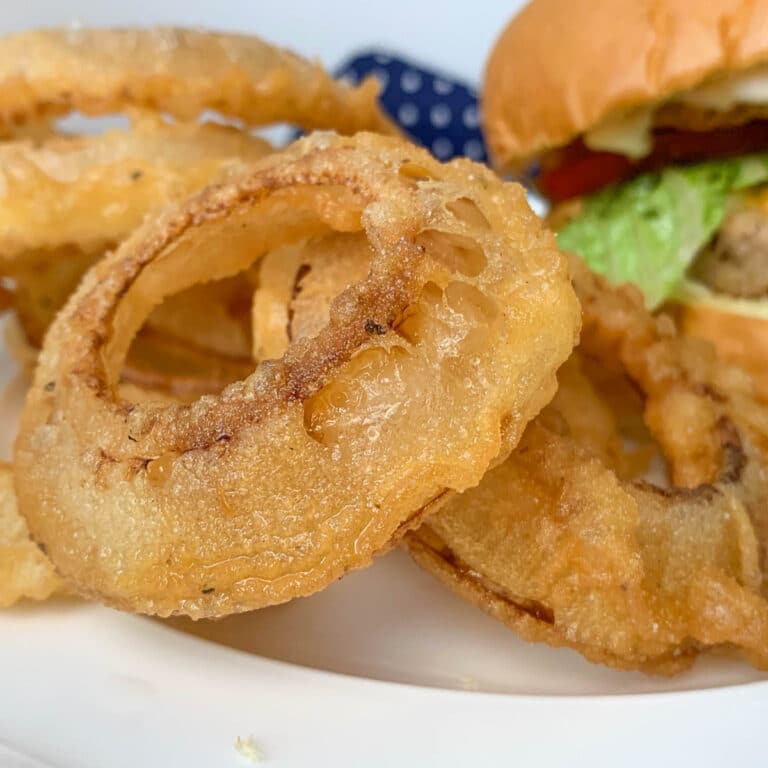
[{"x": 735, "y": 262}]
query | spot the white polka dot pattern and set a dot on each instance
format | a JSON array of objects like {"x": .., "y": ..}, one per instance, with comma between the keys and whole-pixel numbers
[
  {"x": 436, "y": 111},
  {"x": 408, "y": 114}
]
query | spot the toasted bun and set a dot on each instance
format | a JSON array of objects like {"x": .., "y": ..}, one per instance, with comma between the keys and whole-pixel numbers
[
  {"x": 738, "y": 339},
  {"x": 561, "y": 67}
]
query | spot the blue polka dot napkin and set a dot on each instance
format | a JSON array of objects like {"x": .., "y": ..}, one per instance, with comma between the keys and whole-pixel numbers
[{"x": 435, "y": 111}]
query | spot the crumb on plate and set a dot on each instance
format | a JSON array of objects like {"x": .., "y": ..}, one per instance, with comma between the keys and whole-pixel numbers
[{"x": 249, "y": 750}]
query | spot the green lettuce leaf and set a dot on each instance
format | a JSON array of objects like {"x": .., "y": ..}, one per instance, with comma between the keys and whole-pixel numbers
[{"x": 648, "y": 230}]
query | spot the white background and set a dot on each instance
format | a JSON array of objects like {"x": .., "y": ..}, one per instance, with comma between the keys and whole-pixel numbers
[{"x": 85, "y": 687}]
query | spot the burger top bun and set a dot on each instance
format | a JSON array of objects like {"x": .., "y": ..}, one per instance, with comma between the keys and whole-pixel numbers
[{"x": 561, "y": 67}]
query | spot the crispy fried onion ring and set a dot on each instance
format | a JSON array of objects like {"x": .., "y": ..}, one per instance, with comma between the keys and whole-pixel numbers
[
  {"x": 24, "y": 570},
  {"x": 195, "y": 342},
  {"x": 180, "y": 72},
  {"x": 632, "y": 575},
  {"x": 92, "y": 191},
  {"x": 427, "y": 371},
  {"x": 296, "y": 285},
  {"x": 63, "y": 196},
  {"x": 68, "y": 200}
]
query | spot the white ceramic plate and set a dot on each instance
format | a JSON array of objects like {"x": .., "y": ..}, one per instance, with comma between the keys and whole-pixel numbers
[{"x": 384, "y": 668}]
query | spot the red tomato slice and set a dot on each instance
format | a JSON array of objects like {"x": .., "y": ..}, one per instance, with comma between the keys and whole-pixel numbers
[
  {"x": 583, "y": 175},
  {"x": 576, "y": 170}
]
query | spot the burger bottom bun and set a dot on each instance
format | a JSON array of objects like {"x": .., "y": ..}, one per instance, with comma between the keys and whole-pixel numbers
[{"x": 738, "y": 339}]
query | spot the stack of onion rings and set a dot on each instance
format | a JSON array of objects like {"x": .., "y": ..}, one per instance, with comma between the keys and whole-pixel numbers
[
  {"x": 67, "y": 200},
  {"x": 405, "y": 320}
]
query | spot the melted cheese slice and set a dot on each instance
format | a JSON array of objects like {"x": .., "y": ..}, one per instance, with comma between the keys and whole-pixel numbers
[
  {"x": 694, "y": 292},
  {"x": 630, "y": 134}
]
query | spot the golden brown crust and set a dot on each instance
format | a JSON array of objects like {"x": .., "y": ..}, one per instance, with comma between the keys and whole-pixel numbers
[
  {"x": 181, "y": 350},
  {"x": 177, "y": 71},
  {"x": 196, "y": 509},
  {"x": 556, "y": 545},
  {"x": 92, "y": 191},
  {"x": 562, "y": 66},
  {"x": 25, "y": 572}
]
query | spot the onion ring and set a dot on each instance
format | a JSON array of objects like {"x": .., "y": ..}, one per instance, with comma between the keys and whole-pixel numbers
[
  {"x": 427, "y": 372},
  {"x": 42, "y": 284},
  {"x": 179, "y": 72},
  {"x": 635, "y": 576},
  {"x": 71, "y": 198},
  {"x": 181, "y": 350},
  {"x": 296, "y": 286},
  {"x": 83, "y": 195},
  {"x": 24, "y": 570},
  {"x": 86, "y": 194},
  {"x": 90, "y": 192},
  {"x": 46, "y": 282}
]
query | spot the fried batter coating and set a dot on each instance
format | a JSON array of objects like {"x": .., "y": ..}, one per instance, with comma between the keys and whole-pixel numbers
[
  {"x": 562, "y": 550},
  {"x": 180, "y": 72},
  {"x": 90, "y": 192},
  {"x": 70, "y": 199},
  {"x": 80, "y": 196},
  {"x": 426, "y": 373},
  {"x": 297, "y": 285},
  {"x": 194, "y": 343},
  {"x": 24, "y": 570}
]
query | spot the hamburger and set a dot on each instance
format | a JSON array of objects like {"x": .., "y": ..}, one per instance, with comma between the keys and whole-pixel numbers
[{"x": 645, "y": 125}]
